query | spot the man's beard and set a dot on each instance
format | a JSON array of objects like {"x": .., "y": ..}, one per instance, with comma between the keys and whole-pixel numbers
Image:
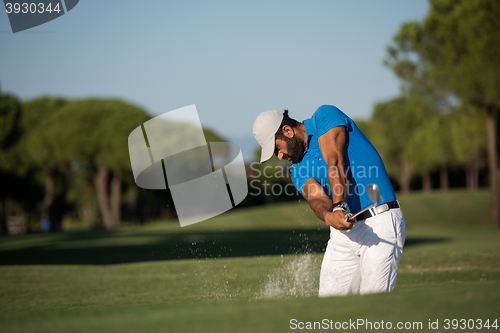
[{"x": 295, "y": 149}]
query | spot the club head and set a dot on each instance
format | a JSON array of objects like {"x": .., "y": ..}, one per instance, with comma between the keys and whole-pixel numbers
[{"x": 373, "y": 193}]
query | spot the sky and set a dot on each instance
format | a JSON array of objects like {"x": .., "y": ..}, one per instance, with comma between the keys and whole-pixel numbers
[{"x": 232, "y": 59}]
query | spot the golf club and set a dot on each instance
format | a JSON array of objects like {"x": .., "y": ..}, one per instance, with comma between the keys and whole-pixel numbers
[{"x": 373, "y": 193}]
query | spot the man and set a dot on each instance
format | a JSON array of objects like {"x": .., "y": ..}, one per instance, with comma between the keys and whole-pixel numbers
[{"x": 333, "y": 163}]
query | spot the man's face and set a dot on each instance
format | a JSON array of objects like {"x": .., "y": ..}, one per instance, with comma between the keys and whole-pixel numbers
[{"x": 290, "y": 149}]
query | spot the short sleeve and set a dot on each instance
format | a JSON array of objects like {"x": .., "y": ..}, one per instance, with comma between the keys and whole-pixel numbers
[{"x": 327, "y": 117}]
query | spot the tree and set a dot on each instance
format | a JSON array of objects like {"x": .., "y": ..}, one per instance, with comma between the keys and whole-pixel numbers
[
  {"x": 462, "y": 39},
  {"x": 395, "y": 121},
  {"x": 426, "y": 97},
  {"x": 38, "y": 143},
  {"x": 469, "y": 141},
  {"x": 95, "y": 137},
  {"x": 454, "y": 54},
  {"x": 10, "y": 112},
  {"x": 431, "y": 147}
]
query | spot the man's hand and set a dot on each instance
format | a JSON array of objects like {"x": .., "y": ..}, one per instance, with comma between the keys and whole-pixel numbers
[
  {"x": 337, "y": 220},
  {"x": 322, "y": 206}
]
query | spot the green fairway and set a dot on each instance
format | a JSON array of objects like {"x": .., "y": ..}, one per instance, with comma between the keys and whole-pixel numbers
[{"x": 249, "y": 270}]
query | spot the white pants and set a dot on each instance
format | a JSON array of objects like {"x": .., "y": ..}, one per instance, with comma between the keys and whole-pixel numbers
[{"x": 366, "y": 259}]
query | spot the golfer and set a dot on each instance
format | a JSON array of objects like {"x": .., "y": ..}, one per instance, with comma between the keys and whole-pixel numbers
[{"x": 332, "y": 164}]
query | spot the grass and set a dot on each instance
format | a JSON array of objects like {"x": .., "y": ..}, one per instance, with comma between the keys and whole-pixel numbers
[{"x": 248, "y": 270}]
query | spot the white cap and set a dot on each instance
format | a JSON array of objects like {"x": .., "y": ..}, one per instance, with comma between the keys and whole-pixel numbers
[{"x": 264, "y": 128}]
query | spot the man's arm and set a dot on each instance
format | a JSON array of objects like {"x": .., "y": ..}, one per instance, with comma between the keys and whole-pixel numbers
[
  {"x": 322, "y": 206},
  {"x": 332, "y": 147}
]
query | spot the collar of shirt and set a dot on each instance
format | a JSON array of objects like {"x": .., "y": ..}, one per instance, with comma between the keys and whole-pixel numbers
[{"x": 310, "y": 131}]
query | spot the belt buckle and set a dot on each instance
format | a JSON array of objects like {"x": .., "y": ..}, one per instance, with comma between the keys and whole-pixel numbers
[
  {"x": 382, "y": 208},
  {"x": 374, "y": 211}
]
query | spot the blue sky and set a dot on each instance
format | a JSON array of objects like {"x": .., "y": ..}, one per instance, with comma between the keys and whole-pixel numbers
[{"x": 233, "y": 59}]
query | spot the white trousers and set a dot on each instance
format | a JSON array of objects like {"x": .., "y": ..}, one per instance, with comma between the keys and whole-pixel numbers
[{"x": 366, "y": 259}]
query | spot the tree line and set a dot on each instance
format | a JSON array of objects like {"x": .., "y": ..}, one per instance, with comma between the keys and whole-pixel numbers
[
  {"x": 69, "y": 158},
  {"x": 448, "y": 112}
]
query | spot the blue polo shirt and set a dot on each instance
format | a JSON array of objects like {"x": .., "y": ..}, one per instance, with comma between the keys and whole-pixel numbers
[{"x": 363, "y": 164}]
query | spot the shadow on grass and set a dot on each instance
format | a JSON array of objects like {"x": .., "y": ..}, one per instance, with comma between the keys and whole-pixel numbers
[{"x": 77, "y": 249}]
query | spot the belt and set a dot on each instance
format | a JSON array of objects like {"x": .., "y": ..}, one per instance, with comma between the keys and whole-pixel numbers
[{"x": 376, "y": 210}]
